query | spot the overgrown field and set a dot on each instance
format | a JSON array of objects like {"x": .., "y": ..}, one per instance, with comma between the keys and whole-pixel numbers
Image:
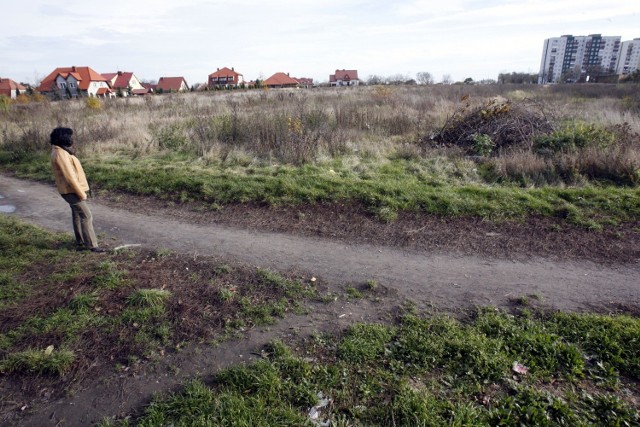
[{"x": 496, "y": 152}]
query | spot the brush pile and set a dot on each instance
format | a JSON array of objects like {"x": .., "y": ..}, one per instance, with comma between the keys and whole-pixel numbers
[{"x": 494, "y": 126}]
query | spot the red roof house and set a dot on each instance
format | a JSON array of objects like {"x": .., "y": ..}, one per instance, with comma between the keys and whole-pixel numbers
[
  {"x": 11, "y": 89},
  {"x": 225, "y": 77},
  {"x": 126, "y": 83},
  {"x": 344, "y": 78},
  {"x": 71, "y": 82},
  {"x": 172, "y": 84},
  {"x": 280, "y": 80},
  {"x": 305, "y": 82}
]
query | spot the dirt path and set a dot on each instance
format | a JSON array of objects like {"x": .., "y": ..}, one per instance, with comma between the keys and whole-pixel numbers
[{"x": 447, "y": 282}]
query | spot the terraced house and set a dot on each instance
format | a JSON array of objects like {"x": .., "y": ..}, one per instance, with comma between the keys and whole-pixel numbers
[
  {"x": 224, "y": 78},
  {"x": 73, "y": 82}
]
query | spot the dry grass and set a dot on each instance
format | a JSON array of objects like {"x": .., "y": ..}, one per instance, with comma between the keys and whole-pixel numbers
[{"x": 300, "y": 127}]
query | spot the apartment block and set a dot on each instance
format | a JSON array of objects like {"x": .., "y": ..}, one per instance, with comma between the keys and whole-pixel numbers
[
  {"x": 629, "y": 60},
  {"x": 572, "y": 58}
]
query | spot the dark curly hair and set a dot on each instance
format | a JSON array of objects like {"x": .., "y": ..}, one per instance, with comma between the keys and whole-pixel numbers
[{"x": 62, "y": 137}]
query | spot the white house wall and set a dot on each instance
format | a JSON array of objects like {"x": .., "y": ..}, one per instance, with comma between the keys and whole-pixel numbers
[{"x": 94, "y": 86}]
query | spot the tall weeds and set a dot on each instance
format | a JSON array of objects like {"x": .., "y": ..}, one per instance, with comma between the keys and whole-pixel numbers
[{"x": 303, "y": 127}]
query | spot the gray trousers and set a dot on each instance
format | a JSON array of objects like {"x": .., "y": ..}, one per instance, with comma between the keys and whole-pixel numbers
[{"x": 82, "y": 221}]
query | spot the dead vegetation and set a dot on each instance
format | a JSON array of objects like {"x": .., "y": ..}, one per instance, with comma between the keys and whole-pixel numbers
[{"x": 495, "y": 125}]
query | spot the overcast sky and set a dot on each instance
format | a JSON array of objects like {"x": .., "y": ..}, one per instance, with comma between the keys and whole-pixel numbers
[{"x": 191, "y": 38}]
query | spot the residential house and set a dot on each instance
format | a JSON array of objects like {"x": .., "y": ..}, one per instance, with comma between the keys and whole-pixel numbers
[
  {"x": 149, "y": 87},
  {"x": 305, "y": 82},
  {"x": 225, "y": 78},
  {"x": 344, "y": 78},
  {"x": 72, "y": 82},
  {"x": 124, "y": 83},
  {"x": 11, "y": 89},
  {"x": 172, "y": 84},
  {"x": 280, "y": 80}
]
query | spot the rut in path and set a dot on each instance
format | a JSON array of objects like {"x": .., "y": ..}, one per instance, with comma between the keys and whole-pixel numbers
[{"x": 446, "y": 282}]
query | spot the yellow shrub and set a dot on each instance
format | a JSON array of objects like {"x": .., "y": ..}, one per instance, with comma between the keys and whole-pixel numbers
[{"x": 93, "y": 103}]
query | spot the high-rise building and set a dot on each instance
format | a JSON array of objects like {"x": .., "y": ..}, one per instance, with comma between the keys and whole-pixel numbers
[
  {"x": 571, "y": 58},
  {"x": 629, "y": 60}
]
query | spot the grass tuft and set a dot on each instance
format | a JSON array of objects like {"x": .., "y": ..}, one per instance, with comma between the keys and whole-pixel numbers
[
  {"x": 151, "y": 298},
  {"x": 40, "y": 362}
]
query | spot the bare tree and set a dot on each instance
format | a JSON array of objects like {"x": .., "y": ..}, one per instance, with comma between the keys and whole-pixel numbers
[
  {"x": 397, "y": 79},
  {"x": 375, "y": 80},
  {"x": 446, "y": 79},
  {"x": 424, "y": 78}
]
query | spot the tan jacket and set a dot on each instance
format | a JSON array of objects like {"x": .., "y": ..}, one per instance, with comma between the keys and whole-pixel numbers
[{"x": 68, "y": 173}]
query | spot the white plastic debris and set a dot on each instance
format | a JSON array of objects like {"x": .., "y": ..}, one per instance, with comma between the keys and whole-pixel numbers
[
  {"x": 519, "y": 368},
  {"x": 128, "y": 245},
  {"x": 314, "y": 412}
]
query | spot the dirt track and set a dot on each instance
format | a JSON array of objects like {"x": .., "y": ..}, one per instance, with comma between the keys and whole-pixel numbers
[{"x": 448, "y": 282}]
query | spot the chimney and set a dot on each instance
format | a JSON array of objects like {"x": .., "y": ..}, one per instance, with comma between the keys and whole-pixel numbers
[
  {"x": 232, "y": 69},
  {"x": 119, "y": 73},
  {"x": 218, "y": 69},
  {"x": 73, "y": 68}
]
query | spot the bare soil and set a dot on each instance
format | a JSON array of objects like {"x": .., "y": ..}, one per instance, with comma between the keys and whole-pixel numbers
[
  {"x": 546, "y": 237},
  {"x": 440, "y": 264}
]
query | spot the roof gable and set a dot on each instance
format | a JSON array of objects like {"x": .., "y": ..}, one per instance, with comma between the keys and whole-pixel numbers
[
  {"x": 171, "y": 83},
  {"x": 280, "y": 79},
  {"x": 123, "y": 80},
  {"x": 84, "y": 75},
  {"x": 8, "y": 84},
  {"x": 344, "y": 75},
  {"x": 225, "y": 72}
]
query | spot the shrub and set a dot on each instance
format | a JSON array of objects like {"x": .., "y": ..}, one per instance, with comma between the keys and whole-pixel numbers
[
  {"x": 482, "y": 144},
  {"x": 93, "y": 103},
  {"x": 23, "y": 99},
  {"x": 5, "y": 102},
  {"x": 575, "y": 135},
  {"x": 170, "y": 137}
]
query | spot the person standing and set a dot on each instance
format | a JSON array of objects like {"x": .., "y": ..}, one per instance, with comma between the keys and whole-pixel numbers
[{"x": 73, "y": 187}]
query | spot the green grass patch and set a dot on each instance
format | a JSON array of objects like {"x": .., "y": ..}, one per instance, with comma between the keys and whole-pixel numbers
[
  {"x": 39, "y": 362},
  {"x": 385, "y": 188},
  {"x": 152, "y": 298},
  {"x": 290, "y": 288},
  {"x": 426, "y": 371}
]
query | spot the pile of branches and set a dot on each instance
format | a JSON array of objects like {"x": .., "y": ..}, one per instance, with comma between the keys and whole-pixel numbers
[{"x": 506, "y": 123}]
